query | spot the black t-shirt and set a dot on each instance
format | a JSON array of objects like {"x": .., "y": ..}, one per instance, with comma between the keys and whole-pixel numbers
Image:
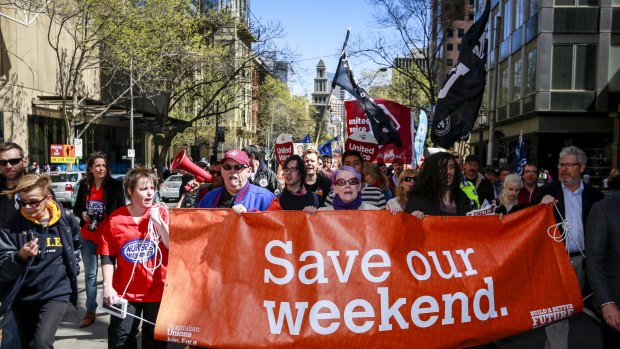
[
  {"x": 321, "y": 187},
  {"x": 290, "y": 201},
  {"x": 226, "y": 200}
]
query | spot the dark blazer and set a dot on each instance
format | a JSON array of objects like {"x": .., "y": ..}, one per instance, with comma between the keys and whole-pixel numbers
[
  {"x": 113, "y": 195},
  {"x": 589, "y": 196},
  {"x": 603, "y": 250}
]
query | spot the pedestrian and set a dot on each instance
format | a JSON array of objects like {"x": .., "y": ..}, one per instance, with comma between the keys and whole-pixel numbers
[
  {"x": 237, "y": 192},
  {"x": 397, "y": 169},
  {"x": 507, "y": 201},
  {"x": 374, "y": 177},
  {"x": 315, "y": 181},
  {"x": 347, "y": 186},
  {"x": 530, "y": 185},
  {"x": 573, "y": 200},
  {"x": 260, "y": 173},
  {"x": 327, "y": 169},
  {"x": 37, "y": 262},
  {"x": 295, "y": 196},
  {"x": 437, "y": 189},
  {"x": 403, "y": 190},
  {"x": 98, "y": 196},
  {"x": 129, "y": 273},
  {"x": 603, "y": 264},
  {"x": 484, "y": 188}
]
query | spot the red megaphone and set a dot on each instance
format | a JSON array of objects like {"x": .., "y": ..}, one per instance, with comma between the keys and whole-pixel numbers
[{"x": 182, "y": 162}]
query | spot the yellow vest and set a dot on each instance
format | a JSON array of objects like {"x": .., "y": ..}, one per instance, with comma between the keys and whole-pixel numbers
[{"x": 470, "y": 190}]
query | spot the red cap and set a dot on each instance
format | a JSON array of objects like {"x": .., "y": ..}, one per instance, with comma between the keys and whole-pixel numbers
[{"x": 237, "y": 155}]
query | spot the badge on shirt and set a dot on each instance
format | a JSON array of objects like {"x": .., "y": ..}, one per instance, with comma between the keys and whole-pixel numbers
[{"x": 263, "y": 182}]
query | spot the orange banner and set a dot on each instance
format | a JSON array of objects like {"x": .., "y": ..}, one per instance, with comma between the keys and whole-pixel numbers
[{"x": 346, "y": 279}]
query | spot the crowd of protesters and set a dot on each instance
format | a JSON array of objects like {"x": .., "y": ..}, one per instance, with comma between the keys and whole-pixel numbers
[{"x": 39, "y": 279}]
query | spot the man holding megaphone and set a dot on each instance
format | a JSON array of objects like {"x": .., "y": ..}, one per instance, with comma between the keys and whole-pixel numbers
[{"x": 237, "y": 193}]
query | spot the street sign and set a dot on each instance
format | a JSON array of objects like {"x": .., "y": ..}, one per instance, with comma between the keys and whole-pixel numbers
[
  {"x": 62, "y": 153},
  {"x": 78, "y": 148},
  {"x": 131, "y": 153}
]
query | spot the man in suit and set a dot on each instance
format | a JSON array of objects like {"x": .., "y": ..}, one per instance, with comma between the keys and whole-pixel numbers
[
  {"x": 573, "y": 199},
  {"x": 603, "y": 264}
]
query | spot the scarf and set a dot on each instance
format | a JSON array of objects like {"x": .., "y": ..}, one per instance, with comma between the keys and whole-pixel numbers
[
  {"x": 301, "y": 192},
  {"x": 353, "y": 205}
]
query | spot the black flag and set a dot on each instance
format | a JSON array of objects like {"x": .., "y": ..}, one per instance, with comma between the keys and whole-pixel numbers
[
  {"x": 460, "y": 97},
  {"x": 382, "y": 128}
]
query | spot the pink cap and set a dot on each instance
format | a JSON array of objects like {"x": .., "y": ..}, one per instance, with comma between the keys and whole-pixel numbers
[{"x": 237, "y": 155}]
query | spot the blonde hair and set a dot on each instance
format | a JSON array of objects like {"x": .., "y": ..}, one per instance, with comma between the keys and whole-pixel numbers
[
  {"x": 374, "y": 170},
  {"x": 400, "y": 193},
  {"x": 512, "y": 178},
  {"x": 31, "y": 181}
]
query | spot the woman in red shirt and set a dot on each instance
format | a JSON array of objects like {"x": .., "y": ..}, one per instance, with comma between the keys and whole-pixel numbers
[{"x": 137, "y": 242}]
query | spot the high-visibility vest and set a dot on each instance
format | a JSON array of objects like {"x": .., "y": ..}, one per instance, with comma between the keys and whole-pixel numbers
[{"x": 470, "y": 190}]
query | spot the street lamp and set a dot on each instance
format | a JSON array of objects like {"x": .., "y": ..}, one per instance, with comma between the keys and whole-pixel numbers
[
  {"x": 381, "y": 70},
  {"x": 482, "y": 120}
]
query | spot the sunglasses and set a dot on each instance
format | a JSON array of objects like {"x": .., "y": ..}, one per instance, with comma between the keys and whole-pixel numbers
[
  {"x": 215, "y": 173},
  {"x": 408, "y": 179},
  {"x": 31, "y": 203},
  {"x": 13, "y": 162},
  {"x": 237, "y": 167},
  {"x": 342, "y": 182}
]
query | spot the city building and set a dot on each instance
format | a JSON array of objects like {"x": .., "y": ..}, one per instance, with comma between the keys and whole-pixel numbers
[
  {"x": 457, "y": 16},
  {"x": 553, "y": 74},
  {"x": 333, "y": 122}
]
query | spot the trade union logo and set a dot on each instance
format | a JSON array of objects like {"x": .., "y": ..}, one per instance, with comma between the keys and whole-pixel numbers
[
  {"x": 443, "y": 127},
  {"x": 138, "y": 250}
]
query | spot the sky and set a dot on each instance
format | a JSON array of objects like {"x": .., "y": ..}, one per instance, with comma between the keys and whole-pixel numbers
[{"x": 316, "y": 29}]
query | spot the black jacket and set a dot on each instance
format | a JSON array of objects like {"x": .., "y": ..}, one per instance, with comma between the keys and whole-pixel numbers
[
  {"x": 113, "y": 195},
  {"x": 13, "y": 270},
  {"x": 267, "y": 179},
  {"x": 417, "y": 203}
]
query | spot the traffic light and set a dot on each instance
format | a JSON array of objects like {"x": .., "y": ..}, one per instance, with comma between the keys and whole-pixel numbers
[{"x": 220, "y": 134}]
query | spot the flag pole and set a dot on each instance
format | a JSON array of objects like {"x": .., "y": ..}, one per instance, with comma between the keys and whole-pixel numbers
[{"x": 329, "y": 97}]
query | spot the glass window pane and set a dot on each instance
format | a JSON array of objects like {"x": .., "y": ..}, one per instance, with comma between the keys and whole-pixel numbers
[
  {"x": 562, "y": 71},
  {"x": 533, "y": 7},
  {"x": 516, "y": 79},
  {"x": 585, "y": 67},
  {"x": 530, "y": 83},
  {"x": 565, "y": 2},
  {"x": 588, "y": 2},
  {"x": 503, "y": 98},
  {"x": 506, "y": 18},
  {"x": 519, "y": 10}
]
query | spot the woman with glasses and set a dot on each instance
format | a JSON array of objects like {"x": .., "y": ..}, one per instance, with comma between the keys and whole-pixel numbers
[
  {"x": 507, "y": 201},
  {"x": 437, "y": 189},
  {"x": 37, "y": 263},
  {"x": 98, "y": 196},
  {"x": 295, "y": 196},
  {"x": 347, "y": 186},
  {"x": 405, "y": 184}
]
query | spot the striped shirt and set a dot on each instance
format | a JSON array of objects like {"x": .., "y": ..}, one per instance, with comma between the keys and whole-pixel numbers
[{"x": 371, "y": 195}]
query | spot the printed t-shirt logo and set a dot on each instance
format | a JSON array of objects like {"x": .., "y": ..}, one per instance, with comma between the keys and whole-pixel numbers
[{"x": 138, "y": 250}]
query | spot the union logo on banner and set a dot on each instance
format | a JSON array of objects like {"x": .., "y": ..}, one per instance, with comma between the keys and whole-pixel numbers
[
  {"x": 364, "y": 143},
  {"x": 283, "y": 148}
]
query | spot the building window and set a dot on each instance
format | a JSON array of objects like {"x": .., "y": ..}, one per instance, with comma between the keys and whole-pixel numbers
[
  {"x": 458, "y": 47},
  {"x": 516, "y": 79},
  {"x": 506, "y": 19},
  {"x": 449, "y": 62},
  {"x": 519, "y": 13},
  {"x": 576, "y": 2},
  {"x": 470, "y": 16},
  {"x": 450, "y": 47},
  {"x": 449, "y": 33},
  {"x": 574, "y": 67},
  {"x": 503, "y": 88},
  {"x": 461, "y": 32},
  {"x": 530, "y": 81}
]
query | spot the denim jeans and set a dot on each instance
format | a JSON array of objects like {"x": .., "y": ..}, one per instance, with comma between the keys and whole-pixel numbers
[
  {"x": 89, "y": 258},
  {"x": 10, "y": 335}
]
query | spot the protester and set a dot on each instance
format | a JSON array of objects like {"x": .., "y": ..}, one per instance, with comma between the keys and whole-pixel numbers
[
  {"x": 199, "y": 190},
  {"x": 347, "y": 185},
  {"x": 188, "y": 183},
  {"x": 261, "y": 174},
  {"x": 370, "y": 194},
  {"x": 315, "y": 181},
  {"x": 603, "y": 264},
  {"x": 129, "y": 273},
  {"x": 484, "y": 188},
  {"x": 490, "y": 174},
  {"x": 573, "y": 200},
  {"x": 190, "y": 190},
  {"x": 613, "y": 180},
  {"x": 397, "y": 169},
  {"x": 37, "y": 262},
  {"x": 327, "y": 169},
  {"x": 98, "y": 196},
  {"x": 295, "y": 196},
  {"x": 374, "y": 177},
  {"x": 437, "y": 189},
  {"x": 507, "y": 201},
  {"x": 237, "y": 192},
  {"x": 405, "y": 184},
  {"x": 530, "y": 185}
]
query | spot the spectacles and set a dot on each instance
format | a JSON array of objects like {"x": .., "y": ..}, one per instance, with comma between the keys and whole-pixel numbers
[
  {"x": 31, "y": 203},
  {"x": 215, "y": 173},
  {"x": 290, "y": 170},
  {"x": 532, "y": 171},
  {"x": 567, "y": 165},
  {"x": 237, "y": 167},
  {"x": 408, "y": 179},
  {"x": 342, "y": 182},
  {"x": 13, "y": 162}
]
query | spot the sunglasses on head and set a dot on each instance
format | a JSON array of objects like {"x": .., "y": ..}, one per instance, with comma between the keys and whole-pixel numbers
[
  {"x": 237, "y": 167},
  {"x": 408, "y": 179},
  {"x": 342, "y": 182},
  {"x": 31, "y": 203},
  {"x": 215, "y": 173},
  {"x": 13, "y": 162}
]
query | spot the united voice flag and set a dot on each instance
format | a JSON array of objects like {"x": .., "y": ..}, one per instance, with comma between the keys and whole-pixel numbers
[
  {"x": 382, "y": 128},
  {"x": 460, "y": 98},
  {"x": 520, "y": 157}
]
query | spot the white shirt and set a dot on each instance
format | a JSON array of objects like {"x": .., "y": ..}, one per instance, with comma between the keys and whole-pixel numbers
[{"x": 573, "y": 209}]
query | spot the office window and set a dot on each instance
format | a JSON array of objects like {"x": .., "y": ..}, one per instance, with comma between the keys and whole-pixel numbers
[
  {"x": 506, "y": 18},
  {"x": 530, "y": 81},
  {"x": 461, "y": 32},
  {"x": 449, "y": 62},
  {"x": 574, "y": 67},
  {"x": 450, "y": 47},
  {"x": 519, "y": 13},
  {"x": 516, "y": 79},
  {"x": 532, "y": 7},
  {"x": 449, "y": 33},
  {"x": 503, "y": 89},
  {"x": 576, "y": 2}
]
